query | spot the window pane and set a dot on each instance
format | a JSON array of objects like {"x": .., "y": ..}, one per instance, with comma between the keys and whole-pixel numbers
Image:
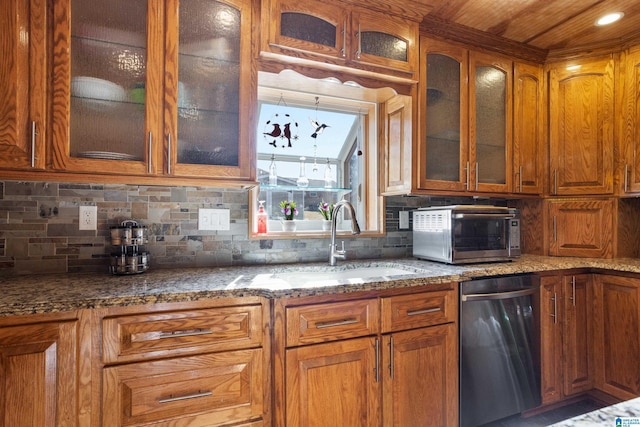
[{"x": 491, "y": 89}]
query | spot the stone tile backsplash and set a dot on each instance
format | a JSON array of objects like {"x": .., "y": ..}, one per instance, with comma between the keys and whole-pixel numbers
[{"x": 39, "y": 229}]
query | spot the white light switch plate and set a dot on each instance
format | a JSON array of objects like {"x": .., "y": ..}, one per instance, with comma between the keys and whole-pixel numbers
[
  {"x": 404, "y": 220},
  {"x": 213, "y": 219}
]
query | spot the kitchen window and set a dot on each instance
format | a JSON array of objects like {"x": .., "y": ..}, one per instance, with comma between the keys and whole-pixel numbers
[{"x": 316, "y": 141}]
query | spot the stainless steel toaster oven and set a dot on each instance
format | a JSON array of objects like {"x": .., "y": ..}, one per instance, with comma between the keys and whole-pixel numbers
[{"x": 466, "y": 233}]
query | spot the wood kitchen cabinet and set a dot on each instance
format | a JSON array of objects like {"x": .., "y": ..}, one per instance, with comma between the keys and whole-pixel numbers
[
  {"x": 581, "y": 126},
  {"x": 366, "y": 361},
  {"x": 581, "y": 227},
  {"x": 40, "y": 374},
  {"x": 566, "y": 334},
  {"x": 196, "y": 364},
  {"x": 419, "y": 358},
  {"x": 154, "y": 88},
  {"x": 342, "y": 34},
  {"x": 528, "y": 128},
  {"x": 23, "y": 86},
  {"x": 617, "y": 335},
  {"x": 629, "y": 140},
  {"x": 397, "y": 145},
  {"x": 466, "y": 120}
]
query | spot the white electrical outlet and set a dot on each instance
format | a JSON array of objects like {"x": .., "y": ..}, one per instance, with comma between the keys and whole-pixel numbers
[
  {"x": 88, "y": 218},
  {"x": 213, "y": 219}
]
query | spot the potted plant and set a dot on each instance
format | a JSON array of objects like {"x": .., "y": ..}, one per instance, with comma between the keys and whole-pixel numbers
[
  {"x": 326, "y": 210},
  {"x": 289, "y": 210}
]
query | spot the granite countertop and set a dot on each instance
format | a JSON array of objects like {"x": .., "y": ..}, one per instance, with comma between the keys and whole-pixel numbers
[
  {"x": 621, "y": 414},
  {"x": 65, "y": 292}
]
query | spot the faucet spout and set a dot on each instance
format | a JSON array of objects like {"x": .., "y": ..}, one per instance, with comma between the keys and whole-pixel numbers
[{"x": 334, "y": 252}]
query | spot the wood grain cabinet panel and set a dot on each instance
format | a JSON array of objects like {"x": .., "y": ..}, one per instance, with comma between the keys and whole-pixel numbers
[
  {"x": 581, "y": 127},
  {"x": 145, "y": 336},
  {"x": 581, "y": 228},
  {"x": 418, "y": 310},
  {"x": 420, "y": 379},
  {"x": 207, "y": 390},
  {"x": 23, "y": 86},
  {"x": 629, "y": 141},
  {"x": 39, "y": 375},
  {"x": 327, "y": 322},
  {"x": 566, "y": 333},
  {"x": 617, "y": 310}
]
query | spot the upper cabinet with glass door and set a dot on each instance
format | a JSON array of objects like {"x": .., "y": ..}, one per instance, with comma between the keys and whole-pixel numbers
[
  {"x": 155, "y": 85},
  {"x": 466, "y": 113},
  {"x": 338, "y": 33}
]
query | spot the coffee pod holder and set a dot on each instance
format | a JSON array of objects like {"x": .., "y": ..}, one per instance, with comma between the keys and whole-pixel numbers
[{"x": 129, "y": 257}]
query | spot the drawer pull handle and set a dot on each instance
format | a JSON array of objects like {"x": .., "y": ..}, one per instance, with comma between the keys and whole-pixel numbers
[
  {"x": 425, "y": 311},
  {"x": 337, "y": 323},
  {"x": 187, "y": 333},
  {"x": 173, "y": 398}
]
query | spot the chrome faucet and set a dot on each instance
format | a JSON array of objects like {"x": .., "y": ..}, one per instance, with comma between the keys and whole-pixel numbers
[{"x": 334, "y": 252}]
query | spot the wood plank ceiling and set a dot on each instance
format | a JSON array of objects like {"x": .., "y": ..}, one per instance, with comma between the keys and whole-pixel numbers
[{"x": 542, "y": 25}]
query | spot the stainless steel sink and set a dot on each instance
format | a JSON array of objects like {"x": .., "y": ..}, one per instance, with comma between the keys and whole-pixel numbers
[{"x": 324, "y": 276}]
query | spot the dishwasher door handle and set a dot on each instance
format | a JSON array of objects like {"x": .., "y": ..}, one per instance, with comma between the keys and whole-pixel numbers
[{"x": 498, "y": 295}]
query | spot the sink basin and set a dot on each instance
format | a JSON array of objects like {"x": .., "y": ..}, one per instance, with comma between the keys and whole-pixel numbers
[
  {"x": 352, "y": 273},
  {"x": 325, "y": 276}
]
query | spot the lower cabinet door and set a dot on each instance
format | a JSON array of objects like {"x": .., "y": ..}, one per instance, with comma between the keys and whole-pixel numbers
[
  {"x": 421, "y": 377},
  {"x": 333, "y": 384},
  {"x": 38, "y": 375},
  {"x": 206, "y": 390},
  {"x": 618, "y": 310}
]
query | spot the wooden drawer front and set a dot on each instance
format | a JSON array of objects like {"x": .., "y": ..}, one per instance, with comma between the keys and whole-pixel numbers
[
  {"x": 326, "y": 322},
  {"x": 418, "y": 310},
  {"x": 144, "y": 336},
  {"x": 207, "y": 390}
]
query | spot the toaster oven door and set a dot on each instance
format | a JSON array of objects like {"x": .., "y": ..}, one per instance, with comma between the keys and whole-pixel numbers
[{"x": 481, "y": 237}]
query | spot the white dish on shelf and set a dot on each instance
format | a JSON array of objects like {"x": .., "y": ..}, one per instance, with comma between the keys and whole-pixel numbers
[
  {"x": 107, "y": 155},
  {"x": 99, "y": 89}
]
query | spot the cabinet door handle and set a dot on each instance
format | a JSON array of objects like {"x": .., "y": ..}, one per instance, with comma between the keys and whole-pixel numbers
[
  {"x": 626, "y": 178},
  {"x": 150, "y": 151},
  {"x": 33, "y": 144},
  {"x": 520, "y": 179},
  {"x": 476, "y": 176},
  {"x": 391, "y": 370},
  {"x": 573, "y": 290},
  {"x": 343, "y": 51},
  {"x": 555, "y": 181},
  {"x": 555, "y": 308},
  {"x": 169, "y": 154},
  {"x": 185, "y": 333},
  {"x": 377, "y": 368},
  {"x": 424, "y": 311},
  {"x": 172, "y": 398},
  {"x": 466, "y": 185},
  {"x": 342, "y": 322},
  {"x": 555, "y": 229},
  {"x": 359, "y": 35}
]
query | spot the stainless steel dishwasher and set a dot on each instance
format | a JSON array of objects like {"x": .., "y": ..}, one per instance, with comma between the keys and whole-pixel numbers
[{"x": 499, "y": 348}]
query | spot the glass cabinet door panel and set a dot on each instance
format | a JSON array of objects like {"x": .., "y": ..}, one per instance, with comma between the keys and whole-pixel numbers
[
  {"x": 491, "y": 124},
  {"x": 443, "y": 118},
  {"x": 384, "y": 45},
  {"x": 308, "y": 28},
  {"x": 108, "y": 72},
  {"x": 209, "y": 83}
]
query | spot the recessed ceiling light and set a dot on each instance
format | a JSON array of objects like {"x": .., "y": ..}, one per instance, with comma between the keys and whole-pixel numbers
[{"x": 610, "y": 18}]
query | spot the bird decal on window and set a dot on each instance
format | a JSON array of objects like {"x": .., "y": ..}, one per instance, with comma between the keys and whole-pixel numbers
[
  {"x": 286, "y": 131},
  {"x": 317, "y": 127}
]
